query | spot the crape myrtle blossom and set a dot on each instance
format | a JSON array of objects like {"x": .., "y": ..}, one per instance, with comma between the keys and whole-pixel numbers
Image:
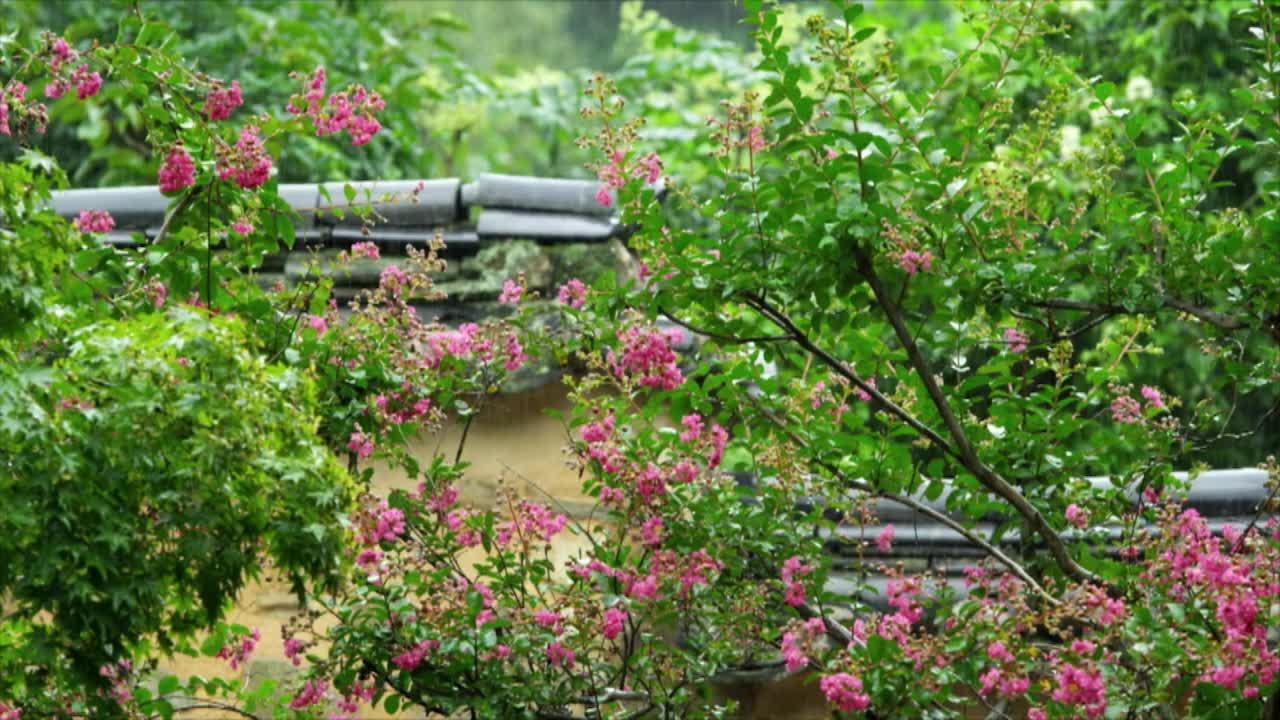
[
  {"x": 222, "y": 100},
  {"x": 94, "y": 221},
  {"x": 177, "y": 171},
  {"x": 247, "y": 162},
  {"x": 351, "y": 110}
]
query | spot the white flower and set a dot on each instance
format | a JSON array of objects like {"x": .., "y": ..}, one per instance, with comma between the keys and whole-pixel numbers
[
  {"x": 1070, "y": 143},
  {"x": 1138, "y": 88},
  {"x": 1100, "y": 114}
]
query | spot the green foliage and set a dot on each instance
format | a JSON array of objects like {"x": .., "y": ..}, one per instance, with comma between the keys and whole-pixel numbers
[
  {"x": 151, "y": 468},
  {"x": 34, "y": 242}
]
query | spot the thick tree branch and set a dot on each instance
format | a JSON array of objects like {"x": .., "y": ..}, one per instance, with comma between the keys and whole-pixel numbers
[{"x": 967, "y": 455}]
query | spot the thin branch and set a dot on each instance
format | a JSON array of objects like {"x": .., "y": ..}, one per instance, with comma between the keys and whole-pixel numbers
[
  {"x": 920, "y": 507},
  {"x": 784, "y": 322},
  {"x": 722, "y": 337},
  {"x": 1213, "y": 317}
]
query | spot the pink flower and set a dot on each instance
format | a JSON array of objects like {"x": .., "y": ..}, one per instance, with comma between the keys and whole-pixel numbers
[
  {"x": 549, "y": 620},
  {"x": 651, "y": 531},
  {"x": 221, "y": 101},
  {"x": 1077, "y": 516},
  {"x": 312, "y": 693},
  {"x": 912, "y": 261},
  {"x": 239, "y": 651},
  {"x": 241, "y": 227},
  {"x": 1125, "y": 409},
  {"x": 87, "y": 83},
  {"x": 248, "y": 162},
  {"x": 1153, "y": 397},
  {"x": 845, "y": 692},
  {"x": 692, "y": 427},
  {"x": 392, "y": 279},
  {"x": 177, "y": 171},
  {"x": 156, "y": 292},
  {"x": 719, "y": 438},
  {"x": 292, "y": 650},
  {"x": 603, "y": 197},
  {"x": 360, "y": 444},
  {"x": 56, "y": 89},
  {"x": 794, "y": 595},
  {"x": 351, "y": 110},
  {"x": 793, "y": 653},
  {"x": 62, "y": 52},
  {"x": 560, "y": 656},
  {"x": 94, "y": 221},
  {"x": 573, "y": 293},
  {"x": 650, "y": 166},
  {"x": 365, "y": 249},
  {"x": 410, "y": 659},
  {"x": 1082, "y": 647},
  {"x": 997, "y": 651},
  {"x": 1016, "y": 340},
  {"x": 1036, "y": 714},
  {"x": 755, "y": 138},
  {"x": 614, "y": 623},
  {"x": 511, "y": 292},
  {"x": 884, "y": 541},
  {"x": 1079, "y": 686},
  {"x": 516, "y": 356}
]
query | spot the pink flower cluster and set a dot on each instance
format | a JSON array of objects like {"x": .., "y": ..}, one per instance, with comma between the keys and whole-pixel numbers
[
  {"x": 364, "y": 249},
  {"x": 293, "y": 648},
  {"x": 118, "y": 674},
  {"x": 573, "y": 293},
  {"x": 1004, "y": 677},
  {"x": 177, "y": 171},
  {"x": 14, "y": 104},
  {"x": 755, "y": 138},
  {"x": 9, "y": 712},
  {"x": 1016, "y": 340},
  {"x": 511, "y": 292},
  {"x": 360, "y": 444},
  {"x": 913, "y": 261},
  {"x": 220, "y": 101},
  {"x": 247, "y": 162},
  {"x": 884, "y": 541},
  {"x": 560, "y": 656},
  {"x": 531, "y": 519},
  {"x": 1077, "y": 516},
  {"x": 612, "y": 178},
  {"x": 1237, "y": 586},
  {"x": 793, "y": 569},
  {"x": 240, "y": 649},
  {"x": 410, "y": 659},
  {"x": 95, "y": 221},
  {"x": 614, "y": 622},
  {"x": 402, "y": 406},
  {"x": 351, "y": 110},
  {"x": 312, "y": 693},
  {"x": 1081, "y": 686},
  {"x": 647, "y": 356},
  {"x": 1126, "y": 410},
  {"x": 794, "y": 643},
  {"x": 845, "y": 692},
  {"x": 62, "y": 56}
]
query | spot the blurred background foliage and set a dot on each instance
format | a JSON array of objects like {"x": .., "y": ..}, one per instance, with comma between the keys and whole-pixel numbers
[{"x": 496, "y": 85}]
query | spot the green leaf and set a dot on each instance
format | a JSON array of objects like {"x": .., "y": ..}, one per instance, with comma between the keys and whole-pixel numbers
[{"x": 1104, "y": 90}]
